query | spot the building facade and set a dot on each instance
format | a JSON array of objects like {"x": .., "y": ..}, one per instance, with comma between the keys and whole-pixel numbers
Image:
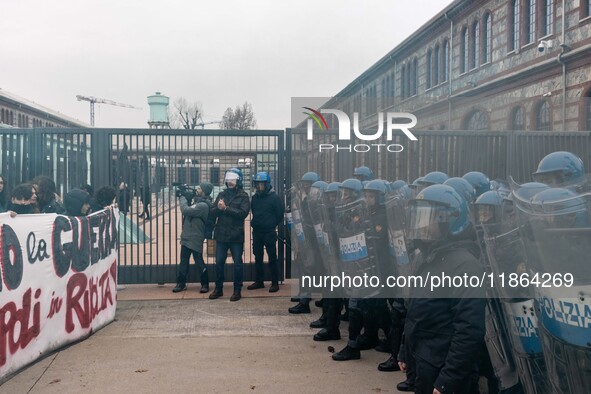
[
  {"x": 18, "y": 112},
  {"x": 485, "y": 65}
]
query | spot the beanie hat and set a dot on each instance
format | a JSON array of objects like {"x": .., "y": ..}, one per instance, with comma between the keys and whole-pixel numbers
[{"x": 206, "y": 187}]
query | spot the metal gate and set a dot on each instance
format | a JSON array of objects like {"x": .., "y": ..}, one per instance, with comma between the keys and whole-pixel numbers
[{"x": 147, "y": 162}]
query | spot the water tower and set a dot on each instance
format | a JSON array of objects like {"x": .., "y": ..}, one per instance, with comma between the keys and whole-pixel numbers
[{"x": 158, "y": 111}]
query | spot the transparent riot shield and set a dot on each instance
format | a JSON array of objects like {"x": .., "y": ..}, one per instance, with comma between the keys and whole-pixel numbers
[
  {"x": 357, "y": 251},
  {"x": 560, "y": 226},
  {"x": 396, "y": 210},
  {"x": 326, "y": 246},
  {"x": 522, "y": 326},
  {"x": 499, "y": 346},
  {"x": 300, "y": 244}
]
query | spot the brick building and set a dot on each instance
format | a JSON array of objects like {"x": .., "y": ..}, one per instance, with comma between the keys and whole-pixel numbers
[{"x": 485, "y": 65}]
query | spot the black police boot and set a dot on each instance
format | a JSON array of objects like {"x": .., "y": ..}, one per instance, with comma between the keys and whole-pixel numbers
[
  {"x": 348, "y": 353},
  {"x": 319, "y": 302},
  {"x": 320, "y": 323},
  {"x": 217, "y": 293},
  {"x": 236, "y": 296},
  {"x": 204, "y": 288},
  {"x": 300, "y": 308},
  {"x": 366, "y": 343},
  {"x": 327, "y": 335},
  {"x": 179, "y": 287},
  {"x": 256, "y": 285},
  {"x": 274, "y": 287},
  {"x": 405, "y": 386},
  {"x": 295, "y": 299},
  {"x": 389, "y": 365}
]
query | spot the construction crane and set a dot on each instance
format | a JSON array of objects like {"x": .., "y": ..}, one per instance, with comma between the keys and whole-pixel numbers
[
  {"x": 93, "y": 100},
  {"x": 202, "y": 124}
]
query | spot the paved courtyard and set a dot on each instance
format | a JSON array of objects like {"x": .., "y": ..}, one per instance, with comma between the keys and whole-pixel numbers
[{"x": 183, "y": 343}]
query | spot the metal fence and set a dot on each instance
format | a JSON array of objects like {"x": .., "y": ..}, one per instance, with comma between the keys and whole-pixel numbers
[
  {"x": 149, "y": 161},
  {"x": 499, "y": 154}
]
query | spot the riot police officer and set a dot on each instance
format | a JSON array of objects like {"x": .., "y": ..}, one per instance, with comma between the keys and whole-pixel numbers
[
  {"x": 267, "y": 213},
  {"x": 303, "y": 236},
  {"x": 560, "y": 169},
  {"x": 443, "y": 334}
]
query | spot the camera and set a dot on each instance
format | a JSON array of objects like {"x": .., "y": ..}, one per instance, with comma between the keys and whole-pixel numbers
[
  {"x": 183, "y": 189},
  {"x": 544, "y": 44}
]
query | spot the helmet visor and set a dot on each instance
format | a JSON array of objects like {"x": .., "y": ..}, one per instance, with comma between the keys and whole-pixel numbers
[
  {"x": 231, "y": 179},
  {"x": 427, "y": 221}
]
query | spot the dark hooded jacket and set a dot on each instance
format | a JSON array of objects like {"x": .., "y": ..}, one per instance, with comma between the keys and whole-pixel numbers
[
  {"x": 442, "y": 332},
  {"x": 74, "y": 200}
]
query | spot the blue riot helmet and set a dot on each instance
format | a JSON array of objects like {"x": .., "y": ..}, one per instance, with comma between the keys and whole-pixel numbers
[
  {"x": 233, "y": 177},
  {"x": 375, "y": 192},
  {"x": 479, "y": 181},
  {"x": 437, "y": 213},
  {"x": 416, "y": 183},
  {"x": 308, "y": 179},
  {"x": 363, "y": 173},
  {"x": 397, "y": 185},
  {"x": 527, "y": 190},
  {"x": 317, "y": 189},
  {"x": 331, "y": 193},
  {"x": 488, "y": 207},
  {"x": 560, "y": 168},
  {"x": 433, "y": 178},
  {"x": 262, "y": 182},
  {"x": 561, "y": 207},
  {"x": 463, "y": 187},
  {"x": 350, "y": 190}
]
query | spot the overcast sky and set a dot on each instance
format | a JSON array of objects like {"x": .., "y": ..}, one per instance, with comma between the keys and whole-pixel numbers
[{"x": 219, "y": 53}]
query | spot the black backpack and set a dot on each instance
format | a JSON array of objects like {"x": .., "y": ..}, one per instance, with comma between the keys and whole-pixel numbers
[{"x": 209, "y": 222}]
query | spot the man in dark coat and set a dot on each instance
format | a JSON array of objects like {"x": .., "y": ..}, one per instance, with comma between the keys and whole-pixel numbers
[
  {"x": 230, "y": 208},
  {"x": 194, "y": 218},
  {"x": 267, "y": 214}
]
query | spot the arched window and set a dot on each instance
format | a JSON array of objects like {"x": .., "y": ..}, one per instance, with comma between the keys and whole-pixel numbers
[
  {"x": 486, "y": 38},
  {"x": 547, "y": 17},
  {"x": 517, "y": 119},
  {"x": 464, "y": 51},
  {"x": 444, "y": 60},
  {"x": 529, "y": 20},
  {"x": 475, "y": 45},
  {"x": 585, "y": 8},
  {"x": 435, "y": 76},
  {"x": 428, "y": 68},
  {"x": 587, "y": 106},
  {"x": 513, "y": 38},
  {"x": 476, "y": 121},
  {"x": 543, "y": 116}
]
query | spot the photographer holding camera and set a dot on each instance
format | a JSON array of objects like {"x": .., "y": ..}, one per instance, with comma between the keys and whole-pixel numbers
[{"x": 194, "y": 219}]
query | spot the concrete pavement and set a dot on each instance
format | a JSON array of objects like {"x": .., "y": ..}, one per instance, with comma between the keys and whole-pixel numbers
[{"x": 186, "y": 344}]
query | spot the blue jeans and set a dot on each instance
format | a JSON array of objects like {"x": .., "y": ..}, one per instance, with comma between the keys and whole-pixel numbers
[{"x": 221, "y": 253}]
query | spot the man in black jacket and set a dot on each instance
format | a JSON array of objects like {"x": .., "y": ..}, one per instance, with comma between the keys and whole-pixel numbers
[
  {"x": 267, "y": 214},
  {"x": 444, "y": 329},
  {"x": 230, "y": 208}
]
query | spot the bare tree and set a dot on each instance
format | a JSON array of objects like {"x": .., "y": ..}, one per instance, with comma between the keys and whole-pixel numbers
[
  {"x": 185, "y": 115},
  {"x": 241, "y": 118}
]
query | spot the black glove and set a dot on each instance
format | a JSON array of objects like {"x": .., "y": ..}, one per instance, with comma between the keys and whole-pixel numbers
[
  {"x": 178, "y": 193},
  {"x": 189, "y": 196}
]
